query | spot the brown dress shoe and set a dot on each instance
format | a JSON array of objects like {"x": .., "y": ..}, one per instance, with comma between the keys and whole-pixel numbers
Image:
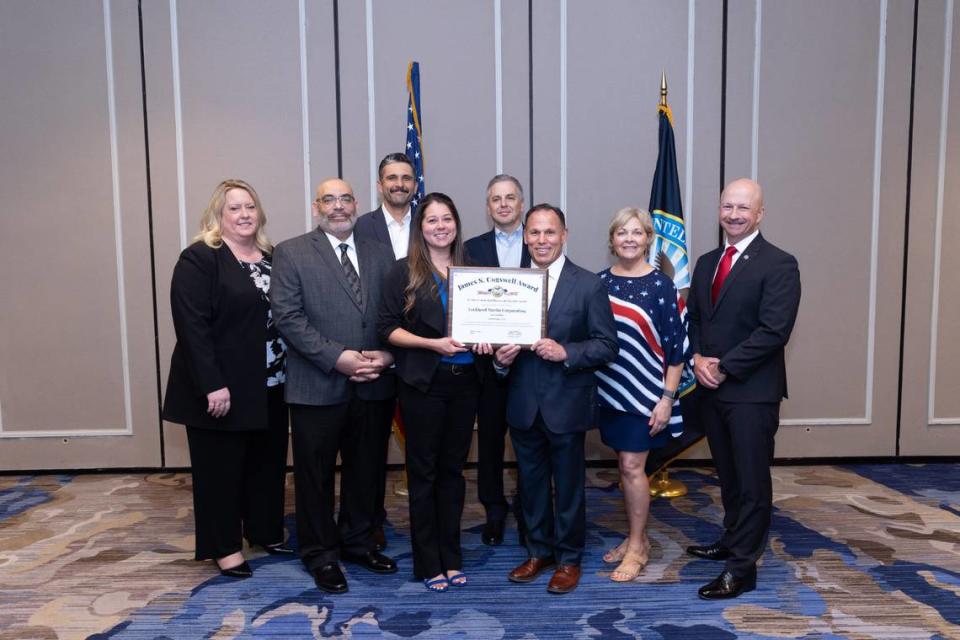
[
  {"x": 529, "y": 570},
  {"x": 565, "y": 579}
]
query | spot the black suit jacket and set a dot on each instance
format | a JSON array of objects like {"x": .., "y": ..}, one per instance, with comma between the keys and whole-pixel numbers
[
  {"x": 220, "y": 319},
  {"x": 482, "y": 250},
  {"x": 416, "y": 367},
  {"x": 751, "y": 322},
  {"x": 372, "y": 226},
  {"x": 580, "y": 319}
]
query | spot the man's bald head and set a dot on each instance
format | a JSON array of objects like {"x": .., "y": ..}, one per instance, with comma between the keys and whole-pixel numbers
[{"x": 741, "y": 209}]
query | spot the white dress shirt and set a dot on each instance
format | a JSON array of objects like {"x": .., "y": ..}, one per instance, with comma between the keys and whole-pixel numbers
[
  {"x": 741, "y": 247},
  {"x": 335, "y": 242},
  {"x": 553, "y": 277},
  {"x": 399, "y": 232}
]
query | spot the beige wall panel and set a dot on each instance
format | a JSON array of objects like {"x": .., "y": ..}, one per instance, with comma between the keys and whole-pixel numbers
[
  {"x": 354, "y": 114},
  {"x": 515, "y": 64},
  {"x": 946, "y": 404},
  {"x": 613, "y": 89},
  {"x": 817, "y": 166},
  {"x": 248, "y": 123},
  {"x": 741, "y": 49},
  {"x": 457, "y": 94},
  {"x": 701, "y": 152},
  {"x": 933, "y": 428},
  {"x": 546, "y": 103},
  {"x": 77, "y": 343}
]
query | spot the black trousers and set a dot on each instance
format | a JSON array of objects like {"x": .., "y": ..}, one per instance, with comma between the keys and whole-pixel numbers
[
  {"x": 491, "y": 433},
  {"x": 439, "y": 427},
  {"x": 553, "y": 469},
  {"x": 355, "y": 430},
  {"x": 238, "y": 483},
  {"x": 741, "y": 438}
]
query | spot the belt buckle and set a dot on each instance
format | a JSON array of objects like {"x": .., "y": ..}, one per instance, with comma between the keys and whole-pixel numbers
[{"x": 458, "y": 369}]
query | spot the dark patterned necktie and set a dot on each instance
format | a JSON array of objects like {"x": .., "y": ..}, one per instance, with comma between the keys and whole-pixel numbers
[
  {"x": 723, "y": 270},
  {"x": 350, "y": 272}
]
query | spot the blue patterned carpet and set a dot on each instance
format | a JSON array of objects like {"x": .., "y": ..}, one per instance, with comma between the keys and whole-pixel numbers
[{"x": 860, "y": 551}]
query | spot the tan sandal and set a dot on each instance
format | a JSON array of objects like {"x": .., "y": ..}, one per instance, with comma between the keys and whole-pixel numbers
[
  {"x": 616, "y": 554},
  {"x": 628, "y": 570}
]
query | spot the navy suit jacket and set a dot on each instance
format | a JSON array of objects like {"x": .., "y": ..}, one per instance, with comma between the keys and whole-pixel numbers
[
  {"x": 482, "y": 251},
  {"x": 372, "y": 226},
  {"x": 750, "y": 323},
  {"x": 564, "y": 393}
]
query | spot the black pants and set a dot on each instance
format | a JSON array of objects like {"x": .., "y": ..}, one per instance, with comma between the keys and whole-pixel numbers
[
  {"x": 357, "y": 430},
  {"x": 553, "y": 469},
  {"x": 741, "y": 438},
  {"x": 439, "y": 428},
  {"x": 238, "y": 483},
  {"x": 491, "y": 433}
]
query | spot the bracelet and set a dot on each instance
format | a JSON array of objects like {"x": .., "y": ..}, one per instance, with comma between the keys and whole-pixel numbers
[{"x": 670, "y": 395}]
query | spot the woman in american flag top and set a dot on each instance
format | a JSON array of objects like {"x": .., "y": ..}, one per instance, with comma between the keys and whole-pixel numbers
[{"x": 638, "y": 406}]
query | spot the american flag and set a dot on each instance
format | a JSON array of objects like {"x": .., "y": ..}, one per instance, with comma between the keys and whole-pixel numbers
[{"x": 414, "y": 149}]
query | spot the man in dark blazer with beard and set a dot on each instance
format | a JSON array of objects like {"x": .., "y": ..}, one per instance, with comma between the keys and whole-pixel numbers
[
  {"x": 389, "y": 223},
  {"x": 551, "y": 403},
  {"x": 325, "y": 296},
  {"x": 502, "y": 246},
  {"x": 742, "y": 306}
]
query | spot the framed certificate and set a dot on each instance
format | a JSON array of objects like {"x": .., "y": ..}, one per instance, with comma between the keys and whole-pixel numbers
[{"x": 496, "y": 305}]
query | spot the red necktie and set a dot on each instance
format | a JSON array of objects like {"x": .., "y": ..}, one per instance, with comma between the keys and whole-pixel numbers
[{"x": 723, "y": 270}]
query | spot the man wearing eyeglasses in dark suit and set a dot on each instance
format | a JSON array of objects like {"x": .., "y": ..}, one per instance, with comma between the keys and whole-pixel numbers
[{"x": 325, "y": 295}]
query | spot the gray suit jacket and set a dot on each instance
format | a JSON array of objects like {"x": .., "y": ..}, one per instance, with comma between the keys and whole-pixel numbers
[{"x": 316, "y": 313}]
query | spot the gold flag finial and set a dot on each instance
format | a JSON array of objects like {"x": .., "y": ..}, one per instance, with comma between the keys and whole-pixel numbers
[{"x": 663, "y": 88}]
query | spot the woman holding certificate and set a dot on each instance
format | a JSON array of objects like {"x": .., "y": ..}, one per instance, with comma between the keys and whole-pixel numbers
[
  {"x": 438, "y": 389},
  {"x": 637, "y": 392}
]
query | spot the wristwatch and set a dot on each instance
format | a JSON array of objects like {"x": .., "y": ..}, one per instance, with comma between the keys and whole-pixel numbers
[{"x": 672, "y": 395}]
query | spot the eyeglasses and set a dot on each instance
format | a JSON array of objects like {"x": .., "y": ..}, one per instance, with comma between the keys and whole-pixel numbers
[{"x": 329, "y": 200}]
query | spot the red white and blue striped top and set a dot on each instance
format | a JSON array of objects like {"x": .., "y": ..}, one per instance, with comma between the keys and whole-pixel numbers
[{"x": 651, "y": 334}]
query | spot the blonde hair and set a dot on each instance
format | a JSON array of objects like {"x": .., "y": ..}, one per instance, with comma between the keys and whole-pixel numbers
[
  {"x": 210, "y": 231},
  {"x": 625, "y": 215}
]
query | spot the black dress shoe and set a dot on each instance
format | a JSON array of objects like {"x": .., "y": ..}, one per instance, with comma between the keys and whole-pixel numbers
[
  {"x": 330, "y": 578},
  {"x": 372, "y": 561},
  {"x": 728, "y": 585},
  {"x": 242, "y": 570},
  {"x": 379, "y": 539},
  {"x": 715, "y": 551},
  {"x": 492, "y": 533},
  {"x": 279, "y": 549}
]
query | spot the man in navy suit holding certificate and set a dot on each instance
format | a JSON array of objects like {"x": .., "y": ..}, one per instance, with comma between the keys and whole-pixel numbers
[
  {"x": 742, "y": 307},
  {"x": 551, "y": 402}
]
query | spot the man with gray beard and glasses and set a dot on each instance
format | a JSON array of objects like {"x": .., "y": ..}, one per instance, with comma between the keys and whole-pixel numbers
[{"x": 340, "y": 388}]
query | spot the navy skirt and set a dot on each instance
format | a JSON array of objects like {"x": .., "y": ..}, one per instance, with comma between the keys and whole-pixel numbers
[{"x": 628, "y": 432}]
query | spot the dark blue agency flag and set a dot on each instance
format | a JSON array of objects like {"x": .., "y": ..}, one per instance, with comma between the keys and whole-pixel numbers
[
  {"x": 414, "y": 149},
  {"x": 670, "y": 241}
]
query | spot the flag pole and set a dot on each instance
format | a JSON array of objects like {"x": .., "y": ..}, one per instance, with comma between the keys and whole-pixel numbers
[{"x": 661, "y": 485}]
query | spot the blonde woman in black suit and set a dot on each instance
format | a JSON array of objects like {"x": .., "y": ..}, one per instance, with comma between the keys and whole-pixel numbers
[{"x": 226, "y": 381}]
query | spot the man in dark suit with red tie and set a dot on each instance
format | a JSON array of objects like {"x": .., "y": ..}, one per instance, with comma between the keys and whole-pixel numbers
[
  {"x": 742, "y": 307},
  {"x": 502, "y": 246}
]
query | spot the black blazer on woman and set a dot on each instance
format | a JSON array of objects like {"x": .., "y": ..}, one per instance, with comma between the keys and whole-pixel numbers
[
  {"x": 220, "y": 318},
  {"x": 414, "y": 366}
]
